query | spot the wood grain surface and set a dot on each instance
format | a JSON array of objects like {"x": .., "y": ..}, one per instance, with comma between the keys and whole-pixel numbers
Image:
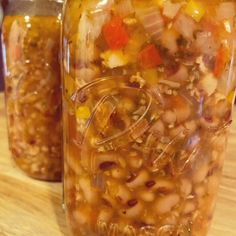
[{"x": 33, "y": 208}]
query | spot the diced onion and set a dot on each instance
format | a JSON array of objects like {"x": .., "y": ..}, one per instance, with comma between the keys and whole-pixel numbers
[
  {"x": 226, "y": 10},
  {"x": 171, "y": 9},
  {"x": 206, "y": 43},
  {"x": 125, "y": 8},
  {"x": 169, "y": 40},
  {"x": 152, "y": 21},
  {"x": 185, "y": 25}
]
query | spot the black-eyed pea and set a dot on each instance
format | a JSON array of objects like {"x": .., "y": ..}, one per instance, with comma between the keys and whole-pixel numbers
[
  {"x": 82, "y": 215},
  {"x": 90, "y": 194},
  {"x": 178, "y": 130},
  {"x": 166, "y": 203},
  {"x": 135, "y": 162},
  {"x": 213, "y": 184},
  {"x": 171, "y": 219},
  {"x": 123, "y": 194},
  {"x": 182, "y": 108},
  {"x": 105, "y": 214},
  {"x": 146, "y": 196},
  {"x": 149, "y": 219},
  {"x": 119, "y": 173},
  {"x": 169, "y": 117},
  {"x": 190, "y": 126},
  {"x": 200, "y": 172},
  {"x": 185, "y": 187},
  {"x": 209, "y": 122},
  {"x": 108, "y": 200},
  {"x": 122, "y": 162},
  {"x": 161, "y": 185},
  {"x": 134, "y": 210},
  {"x": 103, "y": 161},
  {"x": 139, "y": 180},
  {"x": 219, "y": 143},
  {"x": 208, "y": 84},
  {"x": 79, "y": 197},
  {"x": 158, "y": 127},
  {"x": 189, "y": 206},
  {"x": 200, "y": 190}
]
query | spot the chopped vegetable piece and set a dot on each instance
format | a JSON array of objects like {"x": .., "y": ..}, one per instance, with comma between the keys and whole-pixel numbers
[
  {"x": 169, "y": 40},
  {"x": 149, "y": 57},
  {"x": 221, "y": 60},
  {"x": 226, "y": 10},
  {"x": 113, "y": 59},
  {"x": 151, "y": 76},
  {"x": 83, "y": 112},
  {"x": 115, "y": 33},
  {"x": 152, "y": 21},
  {"x": 231, "y": 97},
  {"x": 160, "y": 3},
  {"x": 228, "y": 26},
  {"x": 170, "y": 9},
  {"x": 195, "y": 9}
]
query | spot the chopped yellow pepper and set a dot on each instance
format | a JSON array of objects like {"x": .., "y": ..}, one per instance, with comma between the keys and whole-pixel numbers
[
  {"x": 83, "y": 112},
  {"x": 151, "y": 76},
  {"x": 159, "y": 3},
  {"x": 195, "y": 9},
  {"x": 231, "y": 97}
]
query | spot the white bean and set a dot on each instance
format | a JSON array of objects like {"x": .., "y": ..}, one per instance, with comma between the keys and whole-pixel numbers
[
  {"x": 165, "y": 204},
  {"x": 213, "y": 184},
  {"x": 133, "y": 212},
  {"x": 118, "y": 173},
  {"x": 139, "y": 180},
  {"x": 189, "y": 207},
  {"x": 208, "y": 84},
  {"x": 90, "y": 193},
  {"x": 200, "y": 190},
  {"x": 123, "y": 194},
  {"x": 169, "y": 117},
  {"x": 135, "y": 162},
  {"x": 200, "y": 173},
  {"x": 105, "y": 215},
  {"x": 158, "y": 127},
  {"x": 190, "y": 126},
  {"x": 146, "y": 196},
  {"x": 82, "y": 215},
  {"x": 177, "y": 131},
  {"x": 185, "y": 187},
  {"x": 163, "y": 185}
]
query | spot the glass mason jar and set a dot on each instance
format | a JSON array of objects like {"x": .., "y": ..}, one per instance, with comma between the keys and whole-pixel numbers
[
  {"x": 31, "y": 40},
  {"x": 147, "y": 103}
]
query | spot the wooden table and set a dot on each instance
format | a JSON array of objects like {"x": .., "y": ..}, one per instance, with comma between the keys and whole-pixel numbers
[{"x": 33, "y": 208}]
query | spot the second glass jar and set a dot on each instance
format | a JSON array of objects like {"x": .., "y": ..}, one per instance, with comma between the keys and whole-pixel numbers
[
  {"x": 148, "y": 93},
  {"x": 31, "y": 39}
]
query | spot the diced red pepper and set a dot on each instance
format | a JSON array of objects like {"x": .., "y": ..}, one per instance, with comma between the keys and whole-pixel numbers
[
  {"x": 149, "y": 57},
  {"x": 115, "y": 33},
  {"x": 220, "y": 62}
]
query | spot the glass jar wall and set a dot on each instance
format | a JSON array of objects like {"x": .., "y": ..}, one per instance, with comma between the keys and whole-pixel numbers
[
  {"x": 148, "y": 93},
  {"x": 31, "y": 39}
]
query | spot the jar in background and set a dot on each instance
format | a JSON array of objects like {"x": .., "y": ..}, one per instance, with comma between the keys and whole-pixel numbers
[
  {"x": 147, "y": 102},
  {"x": 31, "y": 40}
]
